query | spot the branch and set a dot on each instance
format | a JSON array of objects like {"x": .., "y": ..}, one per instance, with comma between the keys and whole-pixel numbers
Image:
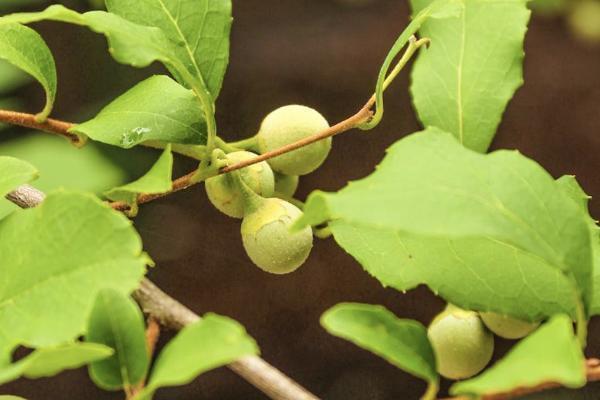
[
  {"x": 54, "y": 126},
  {"x": 172, "y": 314},
  {"x": 363, "y": 116}
]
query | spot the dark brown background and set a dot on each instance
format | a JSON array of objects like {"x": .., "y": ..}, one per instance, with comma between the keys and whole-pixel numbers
[{"x": 326, "y": 55}]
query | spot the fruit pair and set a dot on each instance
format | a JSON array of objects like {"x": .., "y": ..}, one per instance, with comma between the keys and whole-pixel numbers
[
  {"x": 247, "y": 194},
  {"x": 463, "y": 340}
]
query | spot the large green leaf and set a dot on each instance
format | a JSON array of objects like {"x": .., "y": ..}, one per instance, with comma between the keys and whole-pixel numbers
[
  {"x": 55, "y": 259},
  {"x": 129, "y": 43},
  {"x": 157, "y": 180},
  {"x": 550, "y": 354},
  {"x": 463, "y": 83},
  {"x": 473, "y": 273},
  {"x": 116, "y": 321},
  {"x": 156, "y": 109},
  {"x": 9, "y": 397},
  {"x": 431, "y": 187},
  {"x": 52, "y": 360},
  {"x": 212, "y": 342},
  {"x": 197, "y": 29},
  {"x": 14, "y": 172},
  {"x": 402, "y": 342},
  {"x": 25, "y": 49}
]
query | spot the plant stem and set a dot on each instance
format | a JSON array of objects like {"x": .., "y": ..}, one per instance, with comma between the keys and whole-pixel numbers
[
  {"x": 203, "y": 172},
  {"x": 226, "y": 147},
  {"x": 250, "y": 143},
  {"x": 432, "y": 391},
  {"x": 54, "y": 126}
]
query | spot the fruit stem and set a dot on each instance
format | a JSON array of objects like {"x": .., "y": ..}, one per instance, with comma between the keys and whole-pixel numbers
[
  {"x": 250, "y": 143},
  {"x": 432, "y": 391},
  {"x": 226, "y": 147}
]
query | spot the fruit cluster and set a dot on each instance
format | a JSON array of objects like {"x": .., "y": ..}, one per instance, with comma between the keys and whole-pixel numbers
[
  {"x": 262, "y": 193},
  {"x": 463, "y": 341}
]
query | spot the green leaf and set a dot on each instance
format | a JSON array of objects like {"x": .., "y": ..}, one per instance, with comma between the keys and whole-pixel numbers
[
  {"x": 55, "y": 259},
  {"x": 25, "y": 49},
  {"x": 571, "y": 188},
  {"x": 463, "y": 83},
  {"x": 431, "y": 187},
  {"x": 52, "y": 360},
  {"x": 474, "y": 273},
  {"x": 129, "y": 43},
  {"x": 198, "y": 31},
  {"x": 156, "y": 109},
  {"x": 212, "y": 342},
  {"x": 550, "y": 354},
  {"x": 116, "y": 321},
  {"x": 401, "y": 342},
  {"x": 157, "y": 180},
  {"x": 14, "y": 172},
  {"x": 9, "y": 397}
]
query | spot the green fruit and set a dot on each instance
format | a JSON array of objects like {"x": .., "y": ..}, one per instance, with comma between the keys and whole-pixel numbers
[
  {"x": 268, "y": 241},
  {"x": 507, "y": 327},
  {"x": 223, "y": 190},
  {"x": 287, "y": 125},
  {"x": 462, "y": 344},
  {"x": 585, "y": 20},
  {"x": 286, "y": 185}
]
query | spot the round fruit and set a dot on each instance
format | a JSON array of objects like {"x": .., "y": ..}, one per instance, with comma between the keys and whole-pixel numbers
[
  {"x": 223, "y": 190},
  {"x": 268, "y": 241},
  {"x": 507, "y": 327},
  {"x": 462, "y": 344},
  {"x": 585, "y": 20},
  {"x": 287, "y": 125},
  {"x": 286, "y": 185}
]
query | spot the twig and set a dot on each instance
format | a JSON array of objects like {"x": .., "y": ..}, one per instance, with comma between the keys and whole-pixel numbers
[
  {"x": 363, "y": 116},
  {"x": 50, "y": 125},
  {"x": 172, "y": 314},
  {"x": 152, "y": 335},
  {"x": 592, "y": 374}
]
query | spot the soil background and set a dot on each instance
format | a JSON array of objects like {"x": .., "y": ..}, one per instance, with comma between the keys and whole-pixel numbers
[{"x": 326, "y": 55}]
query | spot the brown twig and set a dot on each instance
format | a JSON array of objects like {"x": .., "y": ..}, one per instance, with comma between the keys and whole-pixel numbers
[
  {"x": 50, "y": 125},
  {"x": 592, "y": 374},
  {"x": 172, "y": 314},
  {"x": 152, "y": 335}
]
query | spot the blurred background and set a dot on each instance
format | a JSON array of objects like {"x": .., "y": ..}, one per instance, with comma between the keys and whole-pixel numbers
[{"x": 325, "y": 54}]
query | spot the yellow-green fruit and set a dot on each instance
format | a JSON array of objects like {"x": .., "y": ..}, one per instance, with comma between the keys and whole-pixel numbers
[
  {"x": 507, "y": 327},
  {"x": 286, "y": 185},
  {"x": 462, "y": 344},
  {"x": 268, "y": 241},
  {"x": 585, "y": 20},
  {"x": 287, "y": 125},
  {"x": 223, "y": 192}
]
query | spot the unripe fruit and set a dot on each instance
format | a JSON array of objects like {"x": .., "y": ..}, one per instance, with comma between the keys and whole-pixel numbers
[
  {"x": 585, "y": 20},
  {"x": 223, "y": 190},
  {"x": 507, "y": 327},
  {"x": 287, "y": 125},
  {"x": 462, "y": 344},
  {"x": 268, "y": 241},
  {"x": 286, "y": 185}
]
